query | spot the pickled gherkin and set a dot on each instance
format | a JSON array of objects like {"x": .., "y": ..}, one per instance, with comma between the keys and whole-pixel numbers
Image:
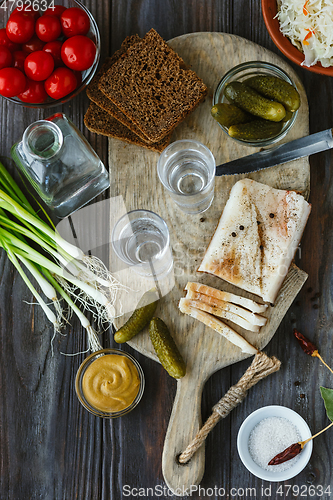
[
  {"x": 277, "y": 89},
  {"x": 139, "y": 319},
  {"x": 166, "y": 349},
  {"x": 256, "y": 130},
  {"x": 229, "y": 114},
  {"x": 288, "y": 116},
  {"x": 252, "y": 102}
]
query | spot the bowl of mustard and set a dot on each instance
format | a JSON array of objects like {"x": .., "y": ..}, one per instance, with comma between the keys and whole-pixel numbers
[{"x": 109, "y": 383}]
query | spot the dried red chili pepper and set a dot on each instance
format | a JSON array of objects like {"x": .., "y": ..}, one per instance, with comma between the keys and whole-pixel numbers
[
  {"x": 294, "y": 449},
  {"x": 289, "y": 453},
  {"x": 309, "y": 348}
]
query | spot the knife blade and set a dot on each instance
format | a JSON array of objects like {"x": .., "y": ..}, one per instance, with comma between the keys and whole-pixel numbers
[{"x": 305, "y": 146}]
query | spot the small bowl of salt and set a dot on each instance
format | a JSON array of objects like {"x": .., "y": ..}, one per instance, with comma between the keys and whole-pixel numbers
[{"x": 267, "y": 432}]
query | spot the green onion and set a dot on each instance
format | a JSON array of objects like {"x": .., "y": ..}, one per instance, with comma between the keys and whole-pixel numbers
[
  {"x": 92, "y": 337},
  {"x": 50, "y": 315},
  {"x": 65, "y": 271},
  {"x": 12, "y": 189}
]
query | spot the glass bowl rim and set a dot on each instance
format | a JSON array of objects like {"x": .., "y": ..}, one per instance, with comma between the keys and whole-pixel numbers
[{"x": 256, "y": 65}]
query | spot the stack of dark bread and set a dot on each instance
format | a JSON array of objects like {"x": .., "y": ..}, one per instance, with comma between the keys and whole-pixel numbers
[{"x": 142, "y": 93}]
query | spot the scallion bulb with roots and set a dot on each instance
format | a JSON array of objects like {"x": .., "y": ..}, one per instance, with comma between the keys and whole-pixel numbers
[{"x": 60, "y": 268}]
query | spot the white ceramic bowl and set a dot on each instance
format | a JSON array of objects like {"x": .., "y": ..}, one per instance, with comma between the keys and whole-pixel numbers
[{"x": 243, "y": 439}]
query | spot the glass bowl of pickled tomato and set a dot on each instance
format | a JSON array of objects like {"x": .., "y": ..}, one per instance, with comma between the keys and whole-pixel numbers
[{"x": 49, "y": 51}]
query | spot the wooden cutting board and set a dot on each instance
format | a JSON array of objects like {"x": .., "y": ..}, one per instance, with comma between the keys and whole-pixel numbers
[{"x": 133, "y": 175}]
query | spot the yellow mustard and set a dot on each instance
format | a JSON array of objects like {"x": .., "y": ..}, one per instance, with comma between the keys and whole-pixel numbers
[{"x": 111, "y": 383}]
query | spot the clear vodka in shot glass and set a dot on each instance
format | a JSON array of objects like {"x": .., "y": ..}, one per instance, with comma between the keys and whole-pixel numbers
[
  {"x": 141, "y": 239},
  {"x": 186, "y": 169}
]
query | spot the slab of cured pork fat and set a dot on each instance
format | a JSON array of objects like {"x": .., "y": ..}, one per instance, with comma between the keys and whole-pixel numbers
[{"x": 256, "y": 238}]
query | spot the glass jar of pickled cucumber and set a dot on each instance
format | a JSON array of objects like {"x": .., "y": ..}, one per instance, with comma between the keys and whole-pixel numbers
[{"x": 243, "y": 72}]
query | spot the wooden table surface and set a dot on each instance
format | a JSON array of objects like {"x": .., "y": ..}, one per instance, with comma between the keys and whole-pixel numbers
[{"x": 50, "y": 447}]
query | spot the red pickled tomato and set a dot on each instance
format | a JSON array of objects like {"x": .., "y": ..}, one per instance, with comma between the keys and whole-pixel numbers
[
  {"x": 34, "y": 93},
  {"x": 78, "y": 52},
  {"x": 6, "y": 58},
  {"x": 33, "y": 44},
  {"x": 29, "y": 9},
  {"x": 54, "y": 48},
  {"x": 78, "y": 76},
  {"x": 38, "y": 65},
  {"x": 18, "y": 59},
  {"x": 20, "y": 27},
  {"x": 12, "y": 82},
  {"x": 74, "y": 21},
  {"x": 4, "y": 40},
  {"x": 57, "y": 10},
  {"x": 61, "y": 83},
  {"x": 48, "y": 28}
]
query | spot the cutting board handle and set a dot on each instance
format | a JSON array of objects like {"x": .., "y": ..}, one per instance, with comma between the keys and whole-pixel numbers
[{"x": 185, "y": 422}]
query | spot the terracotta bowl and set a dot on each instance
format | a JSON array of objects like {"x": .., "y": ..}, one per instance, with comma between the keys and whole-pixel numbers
[{"x": 269, "y": 11}]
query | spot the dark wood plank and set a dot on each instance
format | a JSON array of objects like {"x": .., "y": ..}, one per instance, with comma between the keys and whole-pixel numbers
[{"x": 50, "y": 447}]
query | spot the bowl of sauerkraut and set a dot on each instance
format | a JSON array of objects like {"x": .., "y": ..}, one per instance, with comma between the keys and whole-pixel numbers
[{"x": 302, "y": 30}]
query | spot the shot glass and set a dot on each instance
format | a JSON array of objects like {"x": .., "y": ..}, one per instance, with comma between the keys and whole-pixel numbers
[
  {"x": 141, "y": 239},
  {"x": 186, "y": 169}
]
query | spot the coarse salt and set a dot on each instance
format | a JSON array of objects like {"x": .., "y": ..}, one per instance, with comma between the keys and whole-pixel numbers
[{"x": 272, "y": 436}]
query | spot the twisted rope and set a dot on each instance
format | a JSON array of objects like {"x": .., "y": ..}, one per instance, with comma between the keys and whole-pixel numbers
[{"x": 261, "y": 367}]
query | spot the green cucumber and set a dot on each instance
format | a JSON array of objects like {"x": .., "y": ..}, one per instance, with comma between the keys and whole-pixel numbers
[
  {"x": 252, "y": 102},
  {"x": 229, "y": 114},
  {"x": 139, "y": 319},
  {"x": 277, "y": 89},
  {"x": 255, "y": 131},
  {"x": 166, "y": 349}
]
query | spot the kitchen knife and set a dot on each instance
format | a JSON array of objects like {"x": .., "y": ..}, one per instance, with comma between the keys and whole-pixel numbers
[{"x": 292, "y": 150}]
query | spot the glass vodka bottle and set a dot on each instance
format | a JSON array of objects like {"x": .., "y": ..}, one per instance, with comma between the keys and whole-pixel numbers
[{"x": 60, "y": 164}]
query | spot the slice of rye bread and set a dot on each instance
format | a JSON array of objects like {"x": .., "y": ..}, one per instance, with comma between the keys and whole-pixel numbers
[
  {"x": 96, "y": 96},
  {"x": 100, "y": 122},
  {"x": 152, "y": 86}
]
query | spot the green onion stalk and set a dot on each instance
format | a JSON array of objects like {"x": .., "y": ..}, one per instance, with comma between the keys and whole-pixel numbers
[{"x": 59, "y": 267}]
